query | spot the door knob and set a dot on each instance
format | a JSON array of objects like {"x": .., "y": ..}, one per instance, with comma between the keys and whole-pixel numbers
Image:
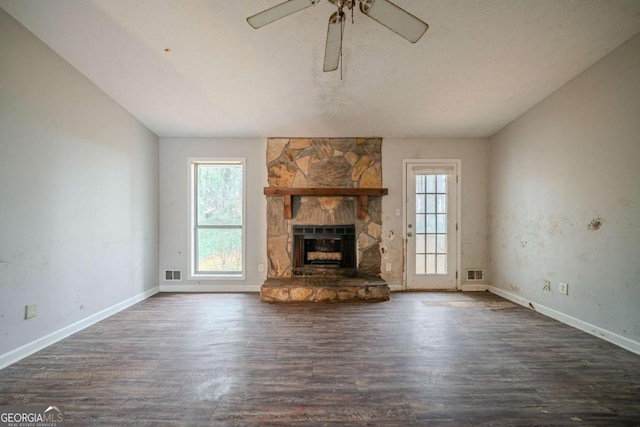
[{"x": 409, "y": 234}]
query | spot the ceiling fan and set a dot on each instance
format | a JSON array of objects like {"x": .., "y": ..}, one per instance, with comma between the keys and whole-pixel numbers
[{"x": 386, "y": 13}]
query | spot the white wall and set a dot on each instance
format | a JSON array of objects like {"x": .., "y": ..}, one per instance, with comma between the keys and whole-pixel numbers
[
  {"x": 78, "y": 195},
  {"x": 174, "y": 155},
  {"x": 474, "y": 175},
  {"x": 174, "y": 209},
  {"x": 174, "y": 230},
  {"x": 573, "y": 158}
]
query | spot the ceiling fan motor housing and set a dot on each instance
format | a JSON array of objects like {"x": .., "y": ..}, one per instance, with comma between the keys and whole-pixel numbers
[{"x": 344, "y": 3}]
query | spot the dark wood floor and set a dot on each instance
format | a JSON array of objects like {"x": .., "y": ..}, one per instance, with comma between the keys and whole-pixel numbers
[{"x": 424, "y": 359}]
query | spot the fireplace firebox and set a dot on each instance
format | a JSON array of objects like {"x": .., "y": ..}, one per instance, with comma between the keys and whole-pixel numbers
[{"x": 324, "y": 250}]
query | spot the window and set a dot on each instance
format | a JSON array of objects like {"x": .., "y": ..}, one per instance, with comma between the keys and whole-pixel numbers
[
  {"x": 431, "y": 224},
  {"x": 217, "y": 218}
]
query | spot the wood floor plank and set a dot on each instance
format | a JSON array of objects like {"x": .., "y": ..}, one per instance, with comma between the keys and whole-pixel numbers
[{"x": 450, "y": 359}]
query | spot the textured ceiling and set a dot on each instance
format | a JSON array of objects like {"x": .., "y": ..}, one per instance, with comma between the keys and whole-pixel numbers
[{"x": 196, "y": 68}]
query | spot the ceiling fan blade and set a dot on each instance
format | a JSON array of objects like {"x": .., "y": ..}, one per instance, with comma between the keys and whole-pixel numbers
[
  {"x": 334, "y": 42},
  {"x": 279, "y": 11},
  {"x": 394, "y": 18}
]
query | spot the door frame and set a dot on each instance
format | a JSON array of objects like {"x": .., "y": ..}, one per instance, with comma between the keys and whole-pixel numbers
[{"x": 457, "y": 163}]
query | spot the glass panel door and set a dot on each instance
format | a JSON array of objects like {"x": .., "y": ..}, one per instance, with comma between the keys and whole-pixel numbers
[{"x": 431, "y": 226}]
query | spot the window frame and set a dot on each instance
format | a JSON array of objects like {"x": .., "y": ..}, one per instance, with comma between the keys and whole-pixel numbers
[
  {"x": 194, "y": 274},
  {"x": 434, "y": 172}
]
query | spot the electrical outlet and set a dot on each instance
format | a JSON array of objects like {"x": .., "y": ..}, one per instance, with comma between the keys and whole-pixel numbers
[
  {"x": 397, "y": 212},
  {"x": 388, "y": 267},
  {"x": 30, "y": 311},
  {"x": 563, "y": 288},
  {"x": 547, "y": 286},
  {"x": 260, "y": 267}
]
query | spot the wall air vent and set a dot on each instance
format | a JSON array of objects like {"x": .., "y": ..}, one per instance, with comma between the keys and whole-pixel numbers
[
  {"x": 173, "y": 275},
  {"x": 475, "y": 274}
]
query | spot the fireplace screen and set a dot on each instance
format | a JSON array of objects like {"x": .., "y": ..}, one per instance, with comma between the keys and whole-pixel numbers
[{"x": 319, "y": 249}]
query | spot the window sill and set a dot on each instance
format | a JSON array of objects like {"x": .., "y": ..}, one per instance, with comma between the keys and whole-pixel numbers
[{"x": 214, "y": 277}]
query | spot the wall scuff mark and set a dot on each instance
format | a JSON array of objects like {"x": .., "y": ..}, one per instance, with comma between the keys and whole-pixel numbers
[{"x": 595, "y": 224}]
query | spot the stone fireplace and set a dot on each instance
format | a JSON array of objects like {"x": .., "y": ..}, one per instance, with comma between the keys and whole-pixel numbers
[{"x": 324, "y": 211}]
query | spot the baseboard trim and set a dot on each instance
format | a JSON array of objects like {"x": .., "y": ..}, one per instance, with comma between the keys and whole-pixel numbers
[
  {"x": 28, "y": 349},
  {"x": 209, "y": 288},
  {"x": 612, "y": 337},
  {"x": 476, "y": 287}
]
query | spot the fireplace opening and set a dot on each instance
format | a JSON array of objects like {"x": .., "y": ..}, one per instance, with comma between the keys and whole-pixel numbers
[{"x": 324, "y": 250}]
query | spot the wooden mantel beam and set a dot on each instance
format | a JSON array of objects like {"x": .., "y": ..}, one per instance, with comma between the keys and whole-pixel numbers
[
  {"x": 362, "y": 194},
  {"x": 325, "y": 192}
]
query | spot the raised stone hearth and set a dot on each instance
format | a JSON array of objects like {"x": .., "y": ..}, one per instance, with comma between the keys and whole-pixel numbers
[{"x": 327, "y": 290}]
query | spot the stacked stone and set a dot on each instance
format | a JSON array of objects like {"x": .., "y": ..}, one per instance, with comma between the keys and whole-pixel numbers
[
  {"x": 275, "y": 290},
  {"x": 324, "y": 163}
]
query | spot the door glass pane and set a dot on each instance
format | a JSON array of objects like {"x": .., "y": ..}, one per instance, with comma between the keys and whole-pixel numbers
[
  {"x": 441, "y": 246},
  {"x": 431, "y": 264},
  {"x": 442, "y": 183},
  {"x": 442, "y": 203},
  {"x": 420, "y": 223},
  {"x": 431, "y": 223},
  {"x": 431, "y": 183},
  {"x": 442, "y": 264},
  {"x": 431, "y": 243},
  {"x": 420, "y": 245},
  {"x": 420, "y": 267},
  {"x": 420, "y": 203},
  {"x": 442, "y": 223},
  {"x": 219, "y": 250},
  {"x": 420, "y": 183},
  {"x": 431, "y": 203}
]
